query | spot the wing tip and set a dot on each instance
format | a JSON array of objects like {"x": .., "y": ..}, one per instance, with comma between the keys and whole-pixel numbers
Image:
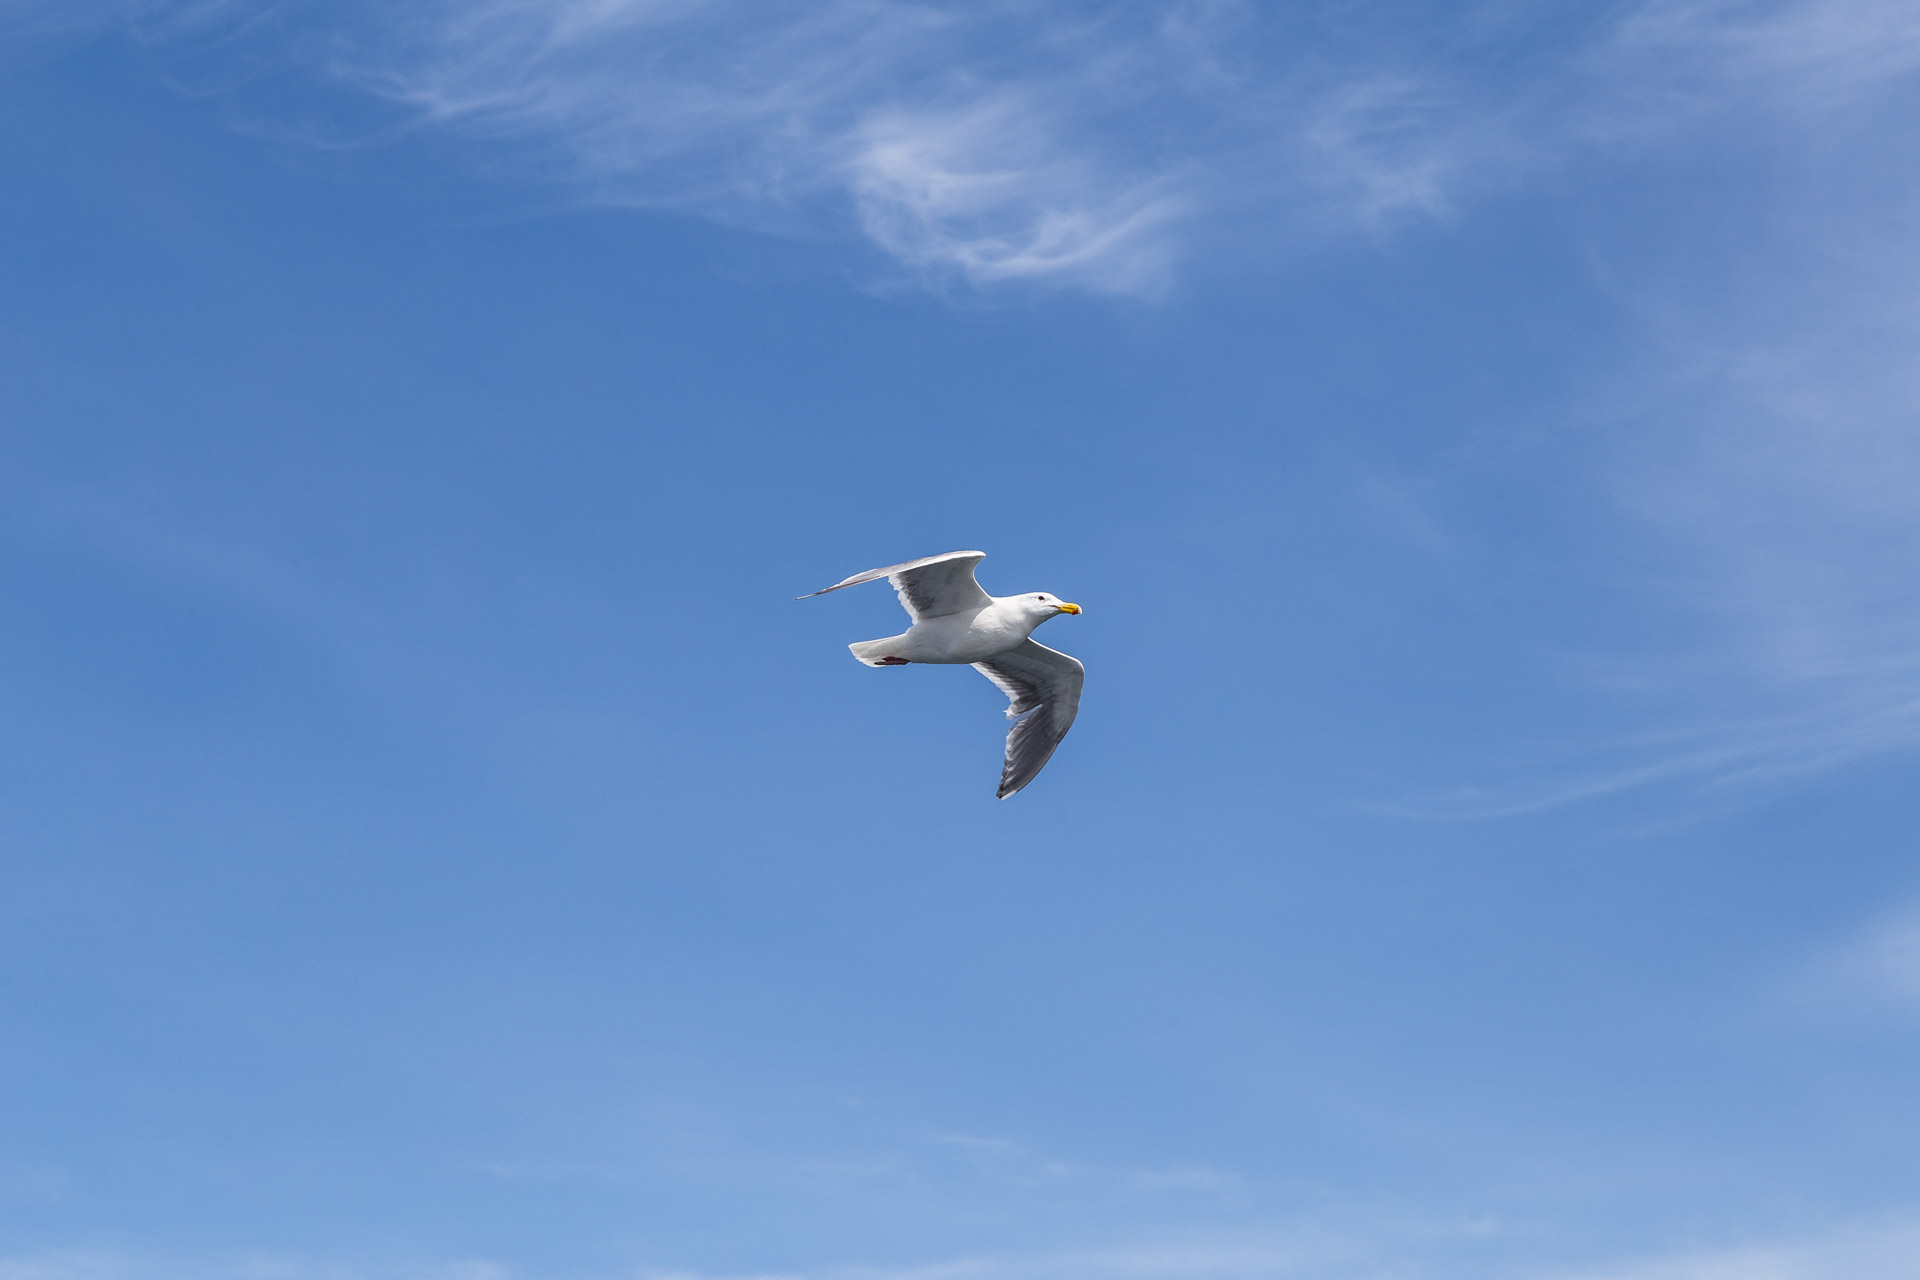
[{"x": 874, "y": 575}]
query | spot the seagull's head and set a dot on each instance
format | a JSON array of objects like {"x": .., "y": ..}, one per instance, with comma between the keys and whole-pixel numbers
[{"x": 1048, "y": 606}]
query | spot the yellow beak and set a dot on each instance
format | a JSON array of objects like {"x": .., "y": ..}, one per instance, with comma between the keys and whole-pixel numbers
[{"x": 1068, "y": 608}]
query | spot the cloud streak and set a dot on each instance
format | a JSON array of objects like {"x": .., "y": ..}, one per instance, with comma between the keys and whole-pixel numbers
[
  {"x": 1887, "y": 1249},
  {"x": 966, "y": 142},
  {"x": 1875, "y": 973},
  {"x": 1874, "y": 1251},
  {"x": 1761, "y": 450},
  {"x": 1063, "y": 144}
]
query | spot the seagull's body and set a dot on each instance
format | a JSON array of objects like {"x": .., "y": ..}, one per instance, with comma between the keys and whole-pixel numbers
[
  {"x": 974, "y": 635},
  {"x": 956, "y": 623}
]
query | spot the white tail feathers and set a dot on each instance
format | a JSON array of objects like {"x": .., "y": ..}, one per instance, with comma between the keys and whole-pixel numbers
[{"x": 872, "y": 651}]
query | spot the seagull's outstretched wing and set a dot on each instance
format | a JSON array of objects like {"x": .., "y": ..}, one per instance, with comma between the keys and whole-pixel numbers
[
  {"x": 1044, "y": 685},
  {"x": 928, "y": 587}
]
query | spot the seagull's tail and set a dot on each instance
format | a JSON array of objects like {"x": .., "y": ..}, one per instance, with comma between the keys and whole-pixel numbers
[{"x": 872, "y": 651}]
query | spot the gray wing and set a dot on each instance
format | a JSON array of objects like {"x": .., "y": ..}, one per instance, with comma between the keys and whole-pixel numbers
[
  {"x": 928, "y": 587},
  {"x": 1044, "y": 686}
]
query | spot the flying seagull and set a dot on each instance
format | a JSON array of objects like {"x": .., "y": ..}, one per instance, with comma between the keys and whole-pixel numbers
[{"x": 955, "y": 622}]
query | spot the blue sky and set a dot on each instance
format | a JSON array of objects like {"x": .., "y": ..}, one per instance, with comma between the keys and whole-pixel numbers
[{"x": 1482, "y": 438}]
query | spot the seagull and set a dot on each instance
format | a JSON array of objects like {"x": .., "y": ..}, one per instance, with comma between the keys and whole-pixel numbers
[{"x": 955, "y": 622}]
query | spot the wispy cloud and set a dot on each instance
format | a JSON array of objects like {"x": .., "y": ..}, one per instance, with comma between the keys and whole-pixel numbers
[
  {"x": 104, "y": 1265},
  {"x": 1268, "y": 1262},
  {"x": 1877, "y": 972},
  {"x": 1779, "y": 482},
  {"x": 979, "y": 193},
  {"x": 1888, "y": 1250},
  {"x": 1063, "y": 142},
  {"x": 1796, "y": 54},
  {"x": 970, "y": 143},
  {"x": 1189, "y": 1262},
  {"x": 1762, "y": 450},
  {"x": 1001, "y": 1160},
  {"x": 1059, "y": 143}
]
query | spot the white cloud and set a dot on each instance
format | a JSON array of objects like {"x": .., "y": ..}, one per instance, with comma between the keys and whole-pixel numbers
[
  {"x": 1781, "y": 479},
  {"x": 1390, "y": 145},
  {"x": 1047, "y": 141},
  {"x": 1003, "y": 1161},
  {"x": 1874, "y": 973},
  {"x": 981, "y": 193},
  {"x": 993, "y": 143},
  {"x": 1254, "y": 1263},
  {"x": 85, "y": 1265},
  {"x": 1251, "y": 1263},
  {"x": 1817, "y": 53},
  {"x": 1879, "y": 1250},
  {"x": 1764, "y": 432},
  {"x": 955, "y": 137},
  {"x": 1875, "y": 1251}
]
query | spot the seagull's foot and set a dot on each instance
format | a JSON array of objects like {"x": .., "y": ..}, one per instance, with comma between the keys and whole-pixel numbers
[{"x": 889, "y": 662}]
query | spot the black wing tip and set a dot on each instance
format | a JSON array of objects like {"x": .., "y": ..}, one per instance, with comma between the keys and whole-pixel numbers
[
  {"x": 1008, "y": 787},
  {"x": 1011, "y": 783}
]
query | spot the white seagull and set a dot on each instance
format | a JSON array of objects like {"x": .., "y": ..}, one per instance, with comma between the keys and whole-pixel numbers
[{"x": 955, "y": 622}]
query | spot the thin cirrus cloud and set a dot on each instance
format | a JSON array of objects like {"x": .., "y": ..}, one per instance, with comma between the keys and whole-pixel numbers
[
  {"x": 1176, "y": 1263},
  {"x": 1873, "y": 974},
  {"x": 1777, "y": 468},
  {"x": 1883, "y": 1249},
  {"x": 1064, "y": 144},
  {"x": 967, "y": 143},
  {"x": 1816, "y": 52},
  {"x": 1057, "y": 142},
  {"x": 1761, "y": 454}
]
